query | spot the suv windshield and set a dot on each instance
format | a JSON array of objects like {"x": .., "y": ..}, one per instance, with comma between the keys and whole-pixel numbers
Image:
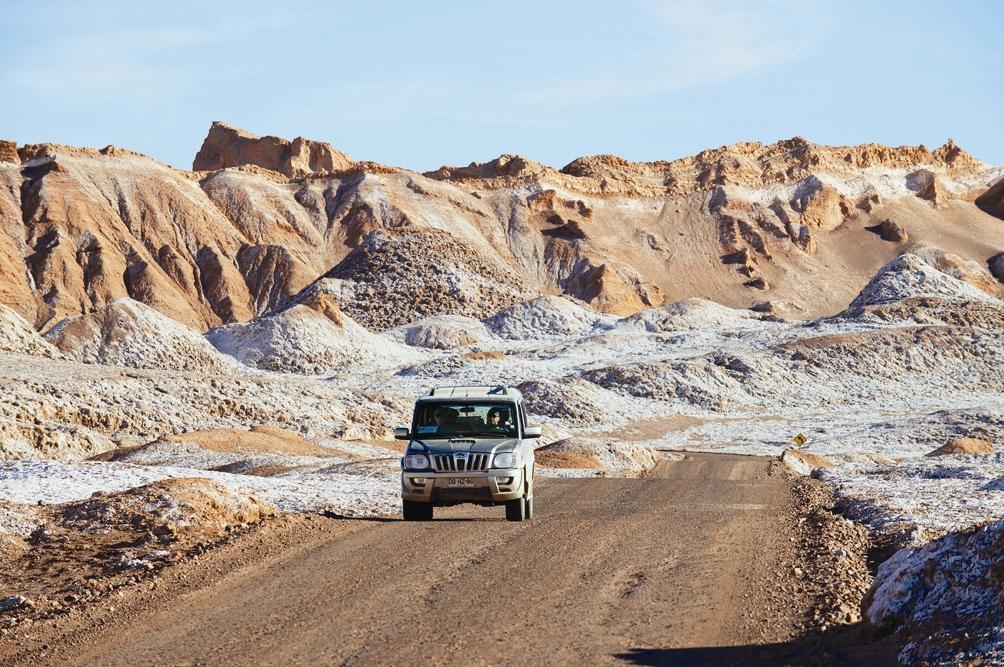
[{"x": 448, "y": 420}]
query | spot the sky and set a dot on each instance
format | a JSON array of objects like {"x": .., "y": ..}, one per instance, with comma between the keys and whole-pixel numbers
[{"x": 423, "y": 84}]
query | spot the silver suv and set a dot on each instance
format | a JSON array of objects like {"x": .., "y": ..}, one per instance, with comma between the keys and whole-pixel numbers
[{"x": 468, "y": 445}]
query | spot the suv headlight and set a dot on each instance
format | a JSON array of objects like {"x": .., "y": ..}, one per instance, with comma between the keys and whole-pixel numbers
[
  {"x": 506, "y": 460},
  {"x": 415, "y": 462}
]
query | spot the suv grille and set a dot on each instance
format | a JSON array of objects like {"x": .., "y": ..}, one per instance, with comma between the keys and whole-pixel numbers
[{"x": 460, "y": 462}]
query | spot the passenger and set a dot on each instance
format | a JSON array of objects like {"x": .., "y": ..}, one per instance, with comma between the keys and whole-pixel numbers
[{"x": 496, "y": 423}]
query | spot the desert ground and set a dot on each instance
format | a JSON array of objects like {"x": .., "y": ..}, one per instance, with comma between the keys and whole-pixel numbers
[{"x": 201, "y": 372}]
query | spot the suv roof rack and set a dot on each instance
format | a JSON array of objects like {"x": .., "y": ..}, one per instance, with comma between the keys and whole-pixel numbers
[{"x": 471, "y": 391}]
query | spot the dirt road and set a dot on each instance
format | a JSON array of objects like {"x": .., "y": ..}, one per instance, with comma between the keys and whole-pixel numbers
[{"x": 678, "y": 568}]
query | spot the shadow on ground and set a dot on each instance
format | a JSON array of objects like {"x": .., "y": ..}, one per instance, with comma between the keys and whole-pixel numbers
[
  {"x": 848, "y": 645},
  {"x": 396, "y": 519}
]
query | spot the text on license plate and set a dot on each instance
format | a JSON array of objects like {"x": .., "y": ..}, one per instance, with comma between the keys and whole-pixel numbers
[{"x": 464, "y": 482}]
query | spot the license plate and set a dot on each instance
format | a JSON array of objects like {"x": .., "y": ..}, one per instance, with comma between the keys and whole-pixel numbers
[{"x": 461, "y": 482}]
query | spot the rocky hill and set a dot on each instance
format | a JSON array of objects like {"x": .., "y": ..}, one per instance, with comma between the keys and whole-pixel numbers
[{"x": 259, "y": 219}]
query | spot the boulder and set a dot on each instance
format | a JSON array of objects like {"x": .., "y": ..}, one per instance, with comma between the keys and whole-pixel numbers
[
  {"x": 964, "y": 446},
  {"x": 892, "y": 231},
  {"x": 758, "y": 283},
  {"x": 870, "y": 202},
  {"x": 15, "y": 602}
]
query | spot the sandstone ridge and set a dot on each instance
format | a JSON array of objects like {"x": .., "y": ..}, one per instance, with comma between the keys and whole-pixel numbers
[
  {"x": 745, "y": 164},
  {"x": 229, "y": 146}
]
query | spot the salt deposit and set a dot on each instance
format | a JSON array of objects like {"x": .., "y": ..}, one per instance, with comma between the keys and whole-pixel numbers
[
  {"x": 920, "y": 499},
  {"x": 910, "y": 276},
  {"x": 67, "y": 410},
  {"x": 53, "y": 482},
  {"x": 606, "y": 457},
  {"x": 302, "y": 340},
  {"x": 19, "y": 337},
  {"x": 572, "y": 401},
  {"x": 688, "y": 314},
  {"x": 441, "y": 332},
  {"x": 399, "y": 276},
  {"x": 130, "y": 333},
  {"x": 945, "y": 599},
  {"x": 888, "y": 183},
  {"x": 546, "y": 317}
]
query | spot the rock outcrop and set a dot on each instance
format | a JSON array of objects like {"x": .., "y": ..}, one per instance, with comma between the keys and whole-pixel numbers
[
  {"x": 228, "y": 146},
  {"x": 821, "y": 206},
  {"x": 8, "y": 152},
  {"x": 928, "y": 185},
  {"x": 909, "y": 276},
  {"x": 755, "y": 165},
  {"x": 546, "y": 317},
  {"x": 966, "y": 270},
  {"x": 503, "y": 167}
]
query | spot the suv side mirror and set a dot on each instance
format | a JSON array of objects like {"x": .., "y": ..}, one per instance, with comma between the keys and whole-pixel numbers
[
  {"x": 531, "y": 431},
  {"x": 401, "y": 433}
]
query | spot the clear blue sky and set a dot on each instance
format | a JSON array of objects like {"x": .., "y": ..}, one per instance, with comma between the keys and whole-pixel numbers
[{"x": 421, "y": 84}]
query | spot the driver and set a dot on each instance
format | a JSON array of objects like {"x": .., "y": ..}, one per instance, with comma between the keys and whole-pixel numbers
[{"x": 445, "y": 418}]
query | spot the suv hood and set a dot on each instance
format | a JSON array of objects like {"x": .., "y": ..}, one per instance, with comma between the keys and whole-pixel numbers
[{"x": 479, "y": 445}]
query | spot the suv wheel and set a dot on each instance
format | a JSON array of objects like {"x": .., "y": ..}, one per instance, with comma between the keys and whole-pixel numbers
[
  {"x": 417, "y": 511},
  {"x": 515, "y": 510}
]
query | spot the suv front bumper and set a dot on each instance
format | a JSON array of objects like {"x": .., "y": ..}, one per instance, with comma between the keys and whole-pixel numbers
[{"x": 492, "y": 486}]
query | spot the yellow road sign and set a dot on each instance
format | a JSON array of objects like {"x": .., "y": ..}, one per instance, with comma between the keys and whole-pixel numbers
[{"x": 800, "y": 439}]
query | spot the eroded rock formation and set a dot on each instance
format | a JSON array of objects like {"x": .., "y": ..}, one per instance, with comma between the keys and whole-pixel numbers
[
  {"x": 261, "y": 218},
  {"x": 228, "y": 146}
]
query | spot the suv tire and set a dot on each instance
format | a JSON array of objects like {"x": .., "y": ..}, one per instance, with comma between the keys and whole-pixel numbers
[
  {"x": 515, "y": 510},
  {"x": 417, "y": 511}
]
